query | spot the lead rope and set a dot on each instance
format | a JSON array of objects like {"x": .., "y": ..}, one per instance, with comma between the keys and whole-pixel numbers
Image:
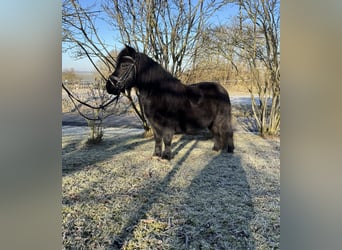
[{"x": 102, "y": 106}]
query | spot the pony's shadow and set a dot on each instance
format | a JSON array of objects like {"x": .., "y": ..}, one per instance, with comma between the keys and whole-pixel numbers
[
  {"x": 155, "y": 191},
  {"x": 219, "y": 207}
]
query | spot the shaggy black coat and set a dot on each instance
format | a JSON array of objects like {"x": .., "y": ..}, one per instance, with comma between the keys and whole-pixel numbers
[{"x": 170, "y": 106}]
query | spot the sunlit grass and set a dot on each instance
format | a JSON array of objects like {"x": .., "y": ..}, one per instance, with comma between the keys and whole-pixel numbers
[{"x": 115, "y": 195}]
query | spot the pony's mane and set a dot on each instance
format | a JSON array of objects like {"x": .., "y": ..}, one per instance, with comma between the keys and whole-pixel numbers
[{"x": 151, "y": 71}]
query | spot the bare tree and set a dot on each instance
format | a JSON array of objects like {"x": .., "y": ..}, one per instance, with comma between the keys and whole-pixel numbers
[
  {"x": 264, "y": 61},
  {"x": 81, "y": 35},
  {"x": 166, "y": 30},
  {"x": 252, "y": 46}
]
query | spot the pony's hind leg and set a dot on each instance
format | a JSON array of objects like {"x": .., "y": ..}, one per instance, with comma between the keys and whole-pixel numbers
[
  {"x": 216, "y": 137},
  {"x": 228, "y": 137},
  {"x": 223, "y": 135},
  {"x": 230, "y": 142}
]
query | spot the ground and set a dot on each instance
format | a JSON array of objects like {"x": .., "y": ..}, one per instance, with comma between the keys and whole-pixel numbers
[{"x": 117, "y": 196}]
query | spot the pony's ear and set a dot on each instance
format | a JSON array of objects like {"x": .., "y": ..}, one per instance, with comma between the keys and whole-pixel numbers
[{"x": 131, "y": 51}]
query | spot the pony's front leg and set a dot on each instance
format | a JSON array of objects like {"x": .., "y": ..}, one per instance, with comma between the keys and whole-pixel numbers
[
  {"x": 158, "y": 143},
  {"x": 167, "y": 138}
]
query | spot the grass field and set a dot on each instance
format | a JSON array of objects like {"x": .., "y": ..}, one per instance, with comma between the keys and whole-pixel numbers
[{"x": 116, "y": 196}]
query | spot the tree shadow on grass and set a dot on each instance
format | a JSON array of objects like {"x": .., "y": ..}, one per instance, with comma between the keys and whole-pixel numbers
[
  {"x": 202, "y": 135},
  {"x": 131, "y": 201},
  {"x": 219, "y": 208},
  {"x": 77, "y": 154},
  {"x": 153, "y": 192}
]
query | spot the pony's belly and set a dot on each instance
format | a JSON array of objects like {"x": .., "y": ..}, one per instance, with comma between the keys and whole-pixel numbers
[
  {"x": 178, "y": 122},
  {"x": 192, "y": 126}
]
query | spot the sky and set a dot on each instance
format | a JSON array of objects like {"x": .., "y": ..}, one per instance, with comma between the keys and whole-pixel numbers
[{"x": 108, "y": 35}]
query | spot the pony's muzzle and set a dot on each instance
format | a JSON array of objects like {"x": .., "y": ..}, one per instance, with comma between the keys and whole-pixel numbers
[{"x": 111, "y": 86}]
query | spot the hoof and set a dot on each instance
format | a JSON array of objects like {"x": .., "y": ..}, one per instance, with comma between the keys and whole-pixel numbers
[
  {"x": 166, "y": 156},
  {"x": 158, "y": 154}
]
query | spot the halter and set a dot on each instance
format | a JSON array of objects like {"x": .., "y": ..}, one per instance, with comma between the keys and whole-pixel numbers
[{"x": 121, "y": 82}]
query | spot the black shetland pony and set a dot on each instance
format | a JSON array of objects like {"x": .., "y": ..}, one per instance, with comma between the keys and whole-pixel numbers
[{"x": 170, "y": 106}]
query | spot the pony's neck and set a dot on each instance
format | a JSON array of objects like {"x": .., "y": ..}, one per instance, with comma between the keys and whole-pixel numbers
[{"x": 152, "y": 73}]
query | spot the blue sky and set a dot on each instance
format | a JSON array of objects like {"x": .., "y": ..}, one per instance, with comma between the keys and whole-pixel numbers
[{"x": 108, "y": 35}]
